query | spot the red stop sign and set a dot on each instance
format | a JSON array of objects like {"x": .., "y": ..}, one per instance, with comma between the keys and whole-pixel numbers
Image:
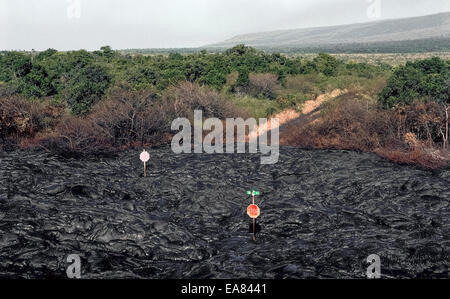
[{"x": 253, "y": 211}]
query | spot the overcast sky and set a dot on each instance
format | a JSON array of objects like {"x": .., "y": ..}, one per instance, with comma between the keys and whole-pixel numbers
[{"x": 90, "y": 24}]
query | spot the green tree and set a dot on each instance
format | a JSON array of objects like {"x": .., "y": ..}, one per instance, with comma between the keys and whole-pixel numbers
[
  {"x": 37, "y": 83},
  {"x": 326, "y": 64},
  {"x": 14, "y": 65},
  {"x": 214, "y": 78},
  {"x": 415, "y": 81},
  {"x": 243, "y": 77},
  {"x": 240, "y": 50},
  {"x": 86, "y": 87},
  {"x": 44, "y": 79},
  {"x": 46, "y": 54}
]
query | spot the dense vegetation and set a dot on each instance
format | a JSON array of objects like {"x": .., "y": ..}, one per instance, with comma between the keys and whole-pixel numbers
[
  {"x": 407, "y": 121},
  {"x": 423, "y": 79},
  {"x": 83, "y": 100},
  {"x": 80, "y": 78},
  {"x": 406, "y": 46}
]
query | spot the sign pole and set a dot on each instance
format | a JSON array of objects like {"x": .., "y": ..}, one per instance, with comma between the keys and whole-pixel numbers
[
  {"x": 254, "y": 219},
  {"x": 145, "y": 157},
  {"x": 253, "y": 211}
]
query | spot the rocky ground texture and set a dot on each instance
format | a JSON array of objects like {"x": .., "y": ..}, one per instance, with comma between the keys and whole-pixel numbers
[{"x": 323, "y": 212}]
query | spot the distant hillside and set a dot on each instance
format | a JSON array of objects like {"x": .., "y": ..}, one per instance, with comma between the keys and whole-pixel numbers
[{"x": 432, "y": 33}]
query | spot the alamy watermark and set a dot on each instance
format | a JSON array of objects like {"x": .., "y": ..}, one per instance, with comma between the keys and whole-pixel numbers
[
  {"x": 74, "y": 9},
  {"x": 374, "y": 9},
  {"x": 74, "y": 269},
  {"x": 374, "y": 269},
  {"x": 214, "y": 141}
]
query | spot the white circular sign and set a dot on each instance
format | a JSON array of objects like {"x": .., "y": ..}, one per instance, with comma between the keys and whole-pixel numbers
[{"x": 145, "y": 156}]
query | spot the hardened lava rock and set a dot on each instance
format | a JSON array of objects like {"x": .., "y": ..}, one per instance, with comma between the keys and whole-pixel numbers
[{"x": 323, "y": 212}]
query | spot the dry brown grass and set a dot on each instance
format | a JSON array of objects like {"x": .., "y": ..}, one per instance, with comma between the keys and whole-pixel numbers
[
  {"x": 405, "y": 135},
  {"x": 125, "y": 120},
  {"x": 133, "y": 119},
  {"x": 129, "y": 118},
  {"x": 263, "y": 85},
  {"x": 183, "y": 99},
  {"x": 311, "y": 105},
  {"x": 22, "y": 118},
  {"x": 417, "y": 156},
  {"x": 306, "y": 84}
]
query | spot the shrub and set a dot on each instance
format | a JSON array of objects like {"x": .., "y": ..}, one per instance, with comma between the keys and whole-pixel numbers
[
  {"x": 263, "y": 85},
  {"x": 288, "y": 101},
  {"x": 423, "y": 119},
  {"x": 305, "y": 84},
  {"x": 417, "y": 156},
  {"x": 130, "y": 118},
  {"x": 14, "y": 65},
  {"x": 345, "y": 123},
  {"x": 256, "y": 108},
  {"x": 86, "y": 88},
  {"x": 134, "y": 118},
  {"x": 232, "y": 78},
  {"x": 7, "y": 89},
  {"x": 326, "y": 64},
  {"x": 125, "y": 120},
  {"x": 214, "y": 78},
  {"x": 243, "y": 77},
  {"x": 417, "y": 80},
  {"x": 38, "y": 82},
  {"x": 20, "y": 118},
  {"x": 186, "y": 97},
  {"x": 80, "y": 135},
  {"x": 403, "y": 135}
]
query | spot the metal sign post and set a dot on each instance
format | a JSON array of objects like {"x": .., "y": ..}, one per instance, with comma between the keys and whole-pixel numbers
[
  {"x": 253, "y": 210},
  {"x": 145, "y": 157}
]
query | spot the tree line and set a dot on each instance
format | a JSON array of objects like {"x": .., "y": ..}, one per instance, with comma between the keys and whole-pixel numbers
[{"x": 81, "y": 78}]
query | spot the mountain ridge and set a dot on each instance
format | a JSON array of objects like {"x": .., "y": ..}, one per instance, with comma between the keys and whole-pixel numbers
[{"x": 436, "y": 27}]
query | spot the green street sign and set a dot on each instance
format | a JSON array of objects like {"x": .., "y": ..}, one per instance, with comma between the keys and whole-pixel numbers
[{"x": 253, "y": 192}]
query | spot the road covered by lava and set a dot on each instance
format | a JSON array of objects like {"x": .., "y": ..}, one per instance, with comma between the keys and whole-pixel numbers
[{"x": 323, "y": 212}]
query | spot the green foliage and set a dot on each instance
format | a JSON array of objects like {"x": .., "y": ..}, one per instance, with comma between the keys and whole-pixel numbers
[
  {"x": 78, "y": 59},
  {"x": 243, "y": 77},
  {"x": 240, "y": 50},
  {"x": 362, "y": 69},
  {"x": 107, "y": 53},
  {"x": 14, "y": 65},
  {"x": 170, "y": 77},
  {"x": 422, "y": 79},
  {"x": 214, "y": 78},
  {"x": 81, "y": 78},
  {"x": 86, "y": 87},
  {"x": 44, "y": 79},
  {"x": 326, "y": 64},
  {"x": 256, "y": 108},
  {"x": 141, "y": 77},
  {"x": 46, "y": 54},
  {"x": 38, "y": 82}
]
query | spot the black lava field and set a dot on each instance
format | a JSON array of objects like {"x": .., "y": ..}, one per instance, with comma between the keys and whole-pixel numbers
[{"x": 323, "y": 212}]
